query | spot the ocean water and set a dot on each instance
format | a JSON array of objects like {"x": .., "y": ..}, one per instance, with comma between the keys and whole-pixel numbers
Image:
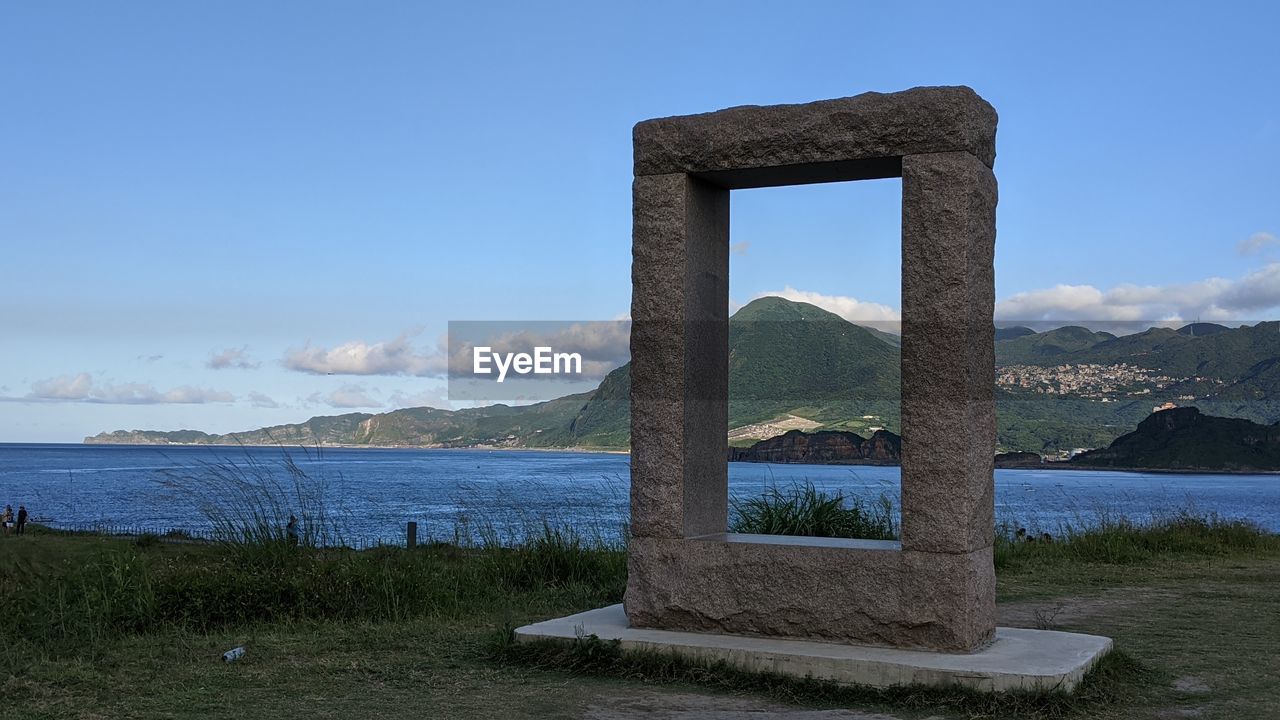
[{"x": 372, "y": 493}]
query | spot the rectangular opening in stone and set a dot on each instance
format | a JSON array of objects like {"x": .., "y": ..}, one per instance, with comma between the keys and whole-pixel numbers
[{"x": 814, "y": 375}]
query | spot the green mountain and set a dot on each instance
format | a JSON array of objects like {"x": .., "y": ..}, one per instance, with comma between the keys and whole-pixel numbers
[
  {"x": 795, "y": 366},
  {"x": 604, "y": 420},
  {"x": 1185, "y": 439},
  {"x": 1047, "y": 347},
  {"x": 1220, "y": 353},
  {"x": 1011, "y": 333},
  {"x": 1199, "y": 329},
  {"x": 795, "y": 358},
  {"x": 539, "y": 425},
  {"x": 785, "y": 358},
  {"x": 1225, "y": 371}
]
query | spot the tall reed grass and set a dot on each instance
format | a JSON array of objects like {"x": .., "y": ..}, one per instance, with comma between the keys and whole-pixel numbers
[
  {"x": 805, "y": 510},
  {"x": 116, "y": 587},
  {"x": 69, "y": 590},
  {"x": 249, "y": 502},
  {"x": 1117, "y": 540}
]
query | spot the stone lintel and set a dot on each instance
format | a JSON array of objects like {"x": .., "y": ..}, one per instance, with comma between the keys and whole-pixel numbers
[{"x": 864, "y": 127}]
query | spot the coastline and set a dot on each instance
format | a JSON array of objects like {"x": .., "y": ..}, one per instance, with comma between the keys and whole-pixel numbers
[
  {"x": 1055, "y": 466},
  {"x": 1167, "y": 471},
  {"x": 1051, "y": 466},
  {"x": 351, "y": 446}
]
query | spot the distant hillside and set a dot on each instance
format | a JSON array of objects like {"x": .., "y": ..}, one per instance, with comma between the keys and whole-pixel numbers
[
  {"x": 1012, "y": 333},
  {"x": 544, "y": 424},
  {"x": 784, "y": 358},
  {"x": 790, "y": 357},
  {"x": 1226, "y": 371},
  {"x": 1186, "y": 439},
  {"x": 1058, "y": 390},
  {"x": 1200, "y": 329},
  {"x": 1047, "y": 347},
  {"x": 1213, "y": 350}
]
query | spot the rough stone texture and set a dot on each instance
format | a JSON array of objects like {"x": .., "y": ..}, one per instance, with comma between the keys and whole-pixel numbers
[
  {"x": 679, "y": 357},
  {"x": 948, "y": 600},
  {"x": 826, "y": 593},
  {"x": 864, "y": 127},
  {"x": 863, "y": 592},
  {"x": 948, "y": 353},
  {"x": 936, "y": 589}
]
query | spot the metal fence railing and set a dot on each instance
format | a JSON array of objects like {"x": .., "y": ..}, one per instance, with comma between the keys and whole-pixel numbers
[
  {"x": 126, "y": 531},
  {"x": 188, "y": 535}
]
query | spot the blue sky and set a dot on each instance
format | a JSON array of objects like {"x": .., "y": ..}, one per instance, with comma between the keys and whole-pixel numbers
[{"x": 202, "y": 204}]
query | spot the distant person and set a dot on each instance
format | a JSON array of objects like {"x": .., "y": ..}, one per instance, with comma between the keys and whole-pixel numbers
[
  {"x": 7, "y": 519},
  {"x": 292, "y": 530},
  {"x": 22, "y": 519}
]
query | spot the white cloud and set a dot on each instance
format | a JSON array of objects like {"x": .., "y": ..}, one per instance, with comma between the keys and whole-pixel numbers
[
  {"x": 394, "y": 357},
  {"x": 1211, "y": 299},
  {"x": 740, "y": 248},
  {"x": 189, "y": 394},
  {"x": 1256, "y": 243},
  {"x": 1120, "y": 309},
  {"x": 63, "y": 387},
  {"x": 237, "y": 358},
  {"x": 1259, "y": 290},
  {"x": 346, "y": 397},
  {"x": 604, "y": 345},
  {"x": 859, "y": 312},
  {"x": 433, "y": 397},
  {"x": 260, "y": 400},
  {"x": 82, "y": 388}
]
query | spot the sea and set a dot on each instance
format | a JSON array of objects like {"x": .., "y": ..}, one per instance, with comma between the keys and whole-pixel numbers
[{"x": 368, "y": 496}]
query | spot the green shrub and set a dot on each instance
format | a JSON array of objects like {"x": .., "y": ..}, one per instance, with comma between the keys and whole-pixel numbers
[
  {"x": 111, "y": 595},
  {"x": 805, "y": 510},
  {"x": 116, "y": 588},
  {"x": 1120, "y": 541},
  {"x": 557, "y": 558}
]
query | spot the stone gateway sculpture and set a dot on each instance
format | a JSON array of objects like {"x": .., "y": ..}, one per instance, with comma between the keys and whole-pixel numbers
[
  {"x": 919, "y": 611},
  {"x": 936, "y": 588}
]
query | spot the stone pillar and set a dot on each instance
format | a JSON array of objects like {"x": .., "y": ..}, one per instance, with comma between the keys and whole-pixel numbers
[
  {"x": 679, "y": 357},
  {"x": 948, "y": 395}
]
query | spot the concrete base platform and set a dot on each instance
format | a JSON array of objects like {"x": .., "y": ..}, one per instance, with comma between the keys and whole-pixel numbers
[{"x": 1018, "y": 659}]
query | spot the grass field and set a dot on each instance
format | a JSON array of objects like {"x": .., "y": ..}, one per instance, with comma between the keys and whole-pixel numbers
[{"x": 104, "y": 627}]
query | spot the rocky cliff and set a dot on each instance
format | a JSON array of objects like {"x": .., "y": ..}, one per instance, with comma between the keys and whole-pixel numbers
[
  {"x": 1187, "y": 439},
  {"x": 1018, "y": 459},
  {"x": 824, "y": 447}
]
